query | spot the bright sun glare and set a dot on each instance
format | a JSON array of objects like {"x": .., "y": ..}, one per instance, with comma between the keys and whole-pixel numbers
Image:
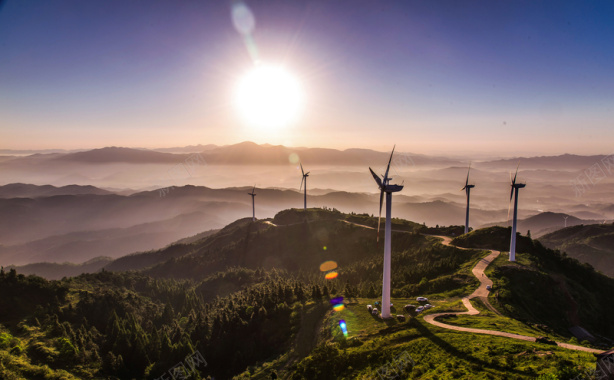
[{"x": 269, "y": 97}]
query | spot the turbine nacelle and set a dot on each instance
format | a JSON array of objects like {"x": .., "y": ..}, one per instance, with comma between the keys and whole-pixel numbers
[
  {"x": 385, "y": 187},
  {"x": 467, "y": 185},
  {"x": 304, "y": 179},
  {"x": 393, "y": 188}
]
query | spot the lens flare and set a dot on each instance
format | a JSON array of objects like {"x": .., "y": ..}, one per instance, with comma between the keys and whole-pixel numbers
[
  {"x": 344, "y": 327},
  {"x": 293, "y": 158},
  {"x": 243, "y": 19},
  {"x": 337, "y": 303},
  {"x": 331, "y": 275},
  {"x": 328, "y": 266}
]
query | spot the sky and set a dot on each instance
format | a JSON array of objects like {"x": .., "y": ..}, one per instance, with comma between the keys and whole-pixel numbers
[{"x": 433, "y": 77}]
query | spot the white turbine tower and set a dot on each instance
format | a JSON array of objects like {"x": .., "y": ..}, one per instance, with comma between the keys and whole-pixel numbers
[
  {"x": 305, "y": 175},
  {"x": 385, "y": 187},
  {"x": 515, "y": 187},
  {"x": 565, "y": 217},
  {"x": 253, "y": 194},
  {"x": 467, "y": 189}
]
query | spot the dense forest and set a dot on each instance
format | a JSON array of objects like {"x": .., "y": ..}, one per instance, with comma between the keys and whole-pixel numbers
[{"x": 226, "y": 304}]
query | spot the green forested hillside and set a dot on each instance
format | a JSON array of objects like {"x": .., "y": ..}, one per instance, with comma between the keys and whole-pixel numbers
[
  {"x": 545, "y": 286},
  {"x": 251, "y": 300}
]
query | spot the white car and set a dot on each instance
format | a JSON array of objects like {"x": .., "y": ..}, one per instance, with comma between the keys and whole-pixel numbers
[
  {"x": 419, "y": 309},
  {"x": 422, "y": 299},
  {"x": 428, "y": 306}
]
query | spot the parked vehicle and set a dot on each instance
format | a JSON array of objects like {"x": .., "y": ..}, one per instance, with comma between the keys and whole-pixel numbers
[
  {"x": 409, "y": 308},
  {"x": 374, "y": 312},
  {"x": 428, "y": 306},
  {"x": 400, "y": 317},
  {"x": 488, "y": 287},
  {"x": 419, "y": 309},
  {"x": 370, "y": 308},
  {"x": 422, "y": 299}
]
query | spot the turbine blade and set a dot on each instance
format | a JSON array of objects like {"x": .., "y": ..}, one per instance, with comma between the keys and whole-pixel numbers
[
  {"x": 379, "y": 220},
  {"x": 254, "y": 189},
  {"x": 377, "y": 180},
  {"x": 389, "y": 161},
  {"x": 509, "y": 207},
  {"x": 301, "y": 187},
  {"x": 467, "y": 181},
  {"x": 515, "y": 175},
  {"x": 302, "y": 171}
]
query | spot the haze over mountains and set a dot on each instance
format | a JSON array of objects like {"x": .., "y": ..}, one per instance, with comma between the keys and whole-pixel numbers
[{"x": 115, "y": 201}]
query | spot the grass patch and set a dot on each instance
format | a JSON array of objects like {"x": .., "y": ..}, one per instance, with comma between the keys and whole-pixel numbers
[
  {"x": 373, "y": 344},
  {"x": 487, "y": 320}
]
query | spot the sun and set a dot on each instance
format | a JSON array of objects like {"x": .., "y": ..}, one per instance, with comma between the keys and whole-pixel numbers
[{"x": 269, "y": 97}]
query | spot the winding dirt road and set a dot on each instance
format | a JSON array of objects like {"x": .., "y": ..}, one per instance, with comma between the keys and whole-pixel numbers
[{"x": 482, "y": 293}]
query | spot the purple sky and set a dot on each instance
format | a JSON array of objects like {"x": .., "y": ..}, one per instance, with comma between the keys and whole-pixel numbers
[{"x": 521, "y": 77}]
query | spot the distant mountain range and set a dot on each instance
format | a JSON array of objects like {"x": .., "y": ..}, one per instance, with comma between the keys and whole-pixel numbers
[
  {"x": 124, "y": 155},
  {"x": 57, "y": 271},
  {"x": 78, "y": 223},
  {"x": 245, "y": 153},
  {"x": 550, "y": 162},
  {"x": 544, "y": 223},
  {"x": 249, "y": 153},
  {"x": 22, "y": 190}
]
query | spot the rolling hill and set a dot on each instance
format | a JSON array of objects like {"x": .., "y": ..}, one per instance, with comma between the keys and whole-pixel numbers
[
  {"x": 593, "y": 244},
  {"x": 544, "y": 222},
  {"x": 56, "y": 271},
  {"x": 22, "y": 190},
  {"x": 544, "y": 286},
  {"x": 245, "y": 153},
  {"x": 119, "y": 154},
  {"x": 251, "y": 300},
  {"x": 77, "y": 227},
  {"x": 554, "y": 162}
]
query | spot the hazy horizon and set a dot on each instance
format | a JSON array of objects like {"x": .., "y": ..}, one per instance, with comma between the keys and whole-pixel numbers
[
  {"x": 461, "y": 155},
  {"x": 499, "y": 79}
]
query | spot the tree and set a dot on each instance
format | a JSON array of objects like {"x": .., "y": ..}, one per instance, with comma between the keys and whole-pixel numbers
[
  {"x": 325, "y": 292},
  {"x": 347, "y": 291},
  {"x": 371, "y": 292},
  {"x": 316, "y": 293}
]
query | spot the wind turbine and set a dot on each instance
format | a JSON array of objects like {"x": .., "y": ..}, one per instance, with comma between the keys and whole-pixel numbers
[
  {"x": 253, "y": 194},
  {"x": 385, "y": 187},
  {"x": 467, "y": 189},
  {"x": 565, "y": 217},
  {"x": 515, "y": 187},
  {"x": 305, "y": 175}
]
